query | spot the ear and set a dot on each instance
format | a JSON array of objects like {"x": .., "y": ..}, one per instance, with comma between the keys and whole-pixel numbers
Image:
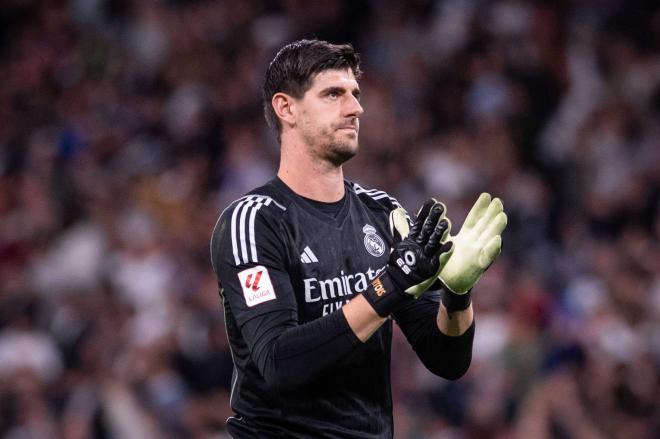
[{"x": 285, "y": 108}]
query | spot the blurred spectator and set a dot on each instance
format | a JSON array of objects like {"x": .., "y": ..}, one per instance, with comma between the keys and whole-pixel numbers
[{"x": 127, "y": 126}]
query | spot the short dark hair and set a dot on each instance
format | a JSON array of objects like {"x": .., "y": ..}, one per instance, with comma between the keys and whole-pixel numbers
[{"x": 292, "y": 70}]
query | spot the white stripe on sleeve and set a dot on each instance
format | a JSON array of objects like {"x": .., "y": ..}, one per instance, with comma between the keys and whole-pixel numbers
[
  {"x": 253, "y": 245},
  {"x": 243, "y": 219},
  {"x": 234, "y": 243}
]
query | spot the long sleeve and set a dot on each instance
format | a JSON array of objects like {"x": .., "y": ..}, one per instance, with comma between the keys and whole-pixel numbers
[
  {"x": 290, "y": 355},
  {"x": 445, "y": 356}
]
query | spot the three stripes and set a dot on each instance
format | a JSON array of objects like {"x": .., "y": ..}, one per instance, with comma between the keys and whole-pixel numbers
[
  {"x": 242, "y": 227},
  {"x": 308, "y": 256}
]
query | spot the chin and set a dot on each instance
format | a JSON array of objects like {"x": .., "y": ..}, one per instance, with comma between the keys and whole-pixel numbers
[{"x": 341, "y": 152}]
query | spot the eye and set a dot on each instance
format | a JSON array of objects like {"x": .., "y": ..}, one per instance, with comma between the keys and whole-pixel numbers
[{"x": 333, "y": 95}]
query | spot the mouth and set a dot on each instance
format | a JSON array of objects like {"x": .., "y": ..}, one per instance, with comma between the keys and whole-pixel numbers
[{"x": 349, "y": 128}]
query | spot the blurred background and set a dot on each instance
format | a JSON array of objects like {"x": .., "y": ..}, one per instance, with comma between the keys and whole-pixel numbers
[{"x": 126, "y": 126}]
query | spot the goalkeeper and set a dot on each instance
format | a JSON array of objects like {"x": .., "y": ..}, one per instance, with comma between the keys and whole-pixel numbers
[{"x": 314, "y": 269}]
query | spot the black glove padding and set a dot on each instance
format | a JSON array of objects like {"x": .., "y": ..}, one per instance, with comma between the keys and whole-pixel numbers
[
  {"x": 417, "y": 258},
  {"x": 414, "y": 263}
]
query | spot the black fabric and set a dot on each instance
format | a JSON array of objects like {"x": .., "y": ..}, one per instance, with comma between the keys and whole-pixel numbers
[
  {"x": 285, "y": 269},
  {"x": 445, "y": 356},
  {"x": 331, "y": 209},
  {"x": 289, "y": 355}
]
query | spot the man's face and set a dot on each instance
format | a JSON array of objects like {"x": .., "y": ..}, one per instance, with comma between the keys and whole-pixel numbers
[{"x": 328, "y": 115}]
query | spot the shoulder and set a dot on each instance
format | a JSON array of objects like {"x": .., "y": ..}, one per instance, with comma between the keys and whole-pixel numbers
[
  {"x": 254, "y": 203},
  {"x": 246, "y": 222},
  {"x": 374, "y": 198},
  {"x": 264, "y": 201}
]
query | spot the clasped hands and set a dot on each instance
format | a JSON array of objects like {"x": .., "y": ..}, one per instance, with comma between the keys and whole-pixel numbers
[{"x": 458, "y": 261}]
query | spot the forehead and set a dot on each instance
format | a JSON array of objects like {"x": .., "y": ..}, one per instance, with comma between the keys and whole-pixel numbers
[{"x": 334, "y": 78}]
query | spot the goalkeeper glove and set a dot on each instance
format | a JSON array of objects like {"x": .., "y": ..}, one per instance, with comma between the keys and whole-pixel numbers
[
  {"x": 414, "y": 262},
  {"x": 475, "y": 248}
]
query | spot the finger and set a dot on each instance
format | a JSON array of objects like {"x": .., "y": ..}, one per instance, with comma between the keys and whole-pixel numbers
[
  {"x": 436, "y": 239},
  {"x": 446, "y": 234},
  {"x": 490, "y": 252},
  {"x": 398, "y": 223},
  {"x": 477, "y": 211},
  {"x": 446, "y": 251},
  {"x": 496, "y": 227},
  {"x": 494, "y": 208},
  {"x": 446, "y": 248},
  {"x": 421, "y": 217},
  {"x": 437, "y": 212}
]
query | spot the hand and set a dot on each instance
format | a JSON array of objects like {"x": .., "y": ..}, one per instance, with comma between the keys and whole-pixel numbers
[
  {"x": 475, "y": 247},
  {"x": 415, "y": 261}
]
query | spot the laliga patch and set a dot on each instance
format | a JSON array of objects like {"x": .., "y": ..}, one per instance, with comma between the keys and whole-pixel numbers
[{"x": 256, "y": 285}]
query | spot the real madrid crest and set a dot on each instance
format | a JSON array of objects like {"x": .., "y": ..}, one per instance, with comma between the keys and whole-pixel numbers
[{"x": 372, "y": 242}]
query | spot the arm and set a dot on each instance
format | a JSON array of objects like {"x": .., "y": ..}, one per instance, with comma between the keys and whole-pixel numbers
[
  {"x": 442, "y": 341},
  {"x": 441, "y": 328},
  {"x": 454, "y": 323},
  {"x": 290, "y": 355},
  {"x": 441, "y": 338},
  {"x": 362, "y": 318}
]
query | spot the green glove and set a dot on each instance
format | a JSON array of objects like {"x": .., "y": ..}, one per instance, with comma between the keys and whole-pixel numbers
[{"x": 476, "y": 245}]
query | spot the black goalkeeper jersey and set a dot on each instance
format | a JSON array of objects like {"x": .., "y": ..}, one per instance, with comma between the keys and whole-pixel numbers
[{"x": 284, "y": 268}]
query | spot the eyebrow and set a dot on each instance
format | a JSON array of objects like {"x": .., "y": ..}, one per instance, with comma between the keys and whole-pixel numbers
[{"x": 339, "y": 90}]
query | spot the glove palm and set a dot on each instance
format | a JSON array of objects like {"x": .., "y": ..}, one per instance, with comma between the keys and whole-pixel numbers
[{"x": 476, "y": 245}]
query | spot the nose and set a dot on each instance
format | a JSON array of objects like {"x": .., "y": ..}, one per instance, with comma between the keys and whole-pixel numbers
[{"x": 353, "y": 107}]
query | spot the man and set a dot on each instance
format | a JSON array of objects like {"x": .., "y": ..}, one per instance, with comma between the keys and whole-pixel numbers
[{"x": 311, "y": 268}]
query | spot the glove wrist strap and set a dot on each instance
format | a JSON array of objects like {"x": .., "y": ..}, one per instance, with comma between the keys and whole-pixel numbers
[
  {"x": 384, "y": 296},
  {"x": 456, "y": 302}
]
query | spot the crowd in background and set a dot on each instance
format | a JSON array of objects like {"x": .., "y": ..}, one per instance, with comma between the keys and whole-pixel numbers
[{"x": 126, "y": 126}]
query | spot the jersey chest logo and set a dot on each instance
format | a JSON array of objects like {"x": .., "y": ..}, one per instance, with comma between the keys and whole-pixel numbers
[{"x": 372, "y": 242}]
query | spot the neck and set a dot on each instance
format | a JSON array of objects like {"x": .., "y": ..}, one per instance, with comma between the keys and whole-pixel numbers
[{"x": 309, "y": 176}]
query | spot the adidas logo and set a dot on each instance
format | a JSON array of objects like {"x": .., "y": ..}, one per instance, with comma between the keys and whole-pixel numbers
[{"x": 308, "y": 256}]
